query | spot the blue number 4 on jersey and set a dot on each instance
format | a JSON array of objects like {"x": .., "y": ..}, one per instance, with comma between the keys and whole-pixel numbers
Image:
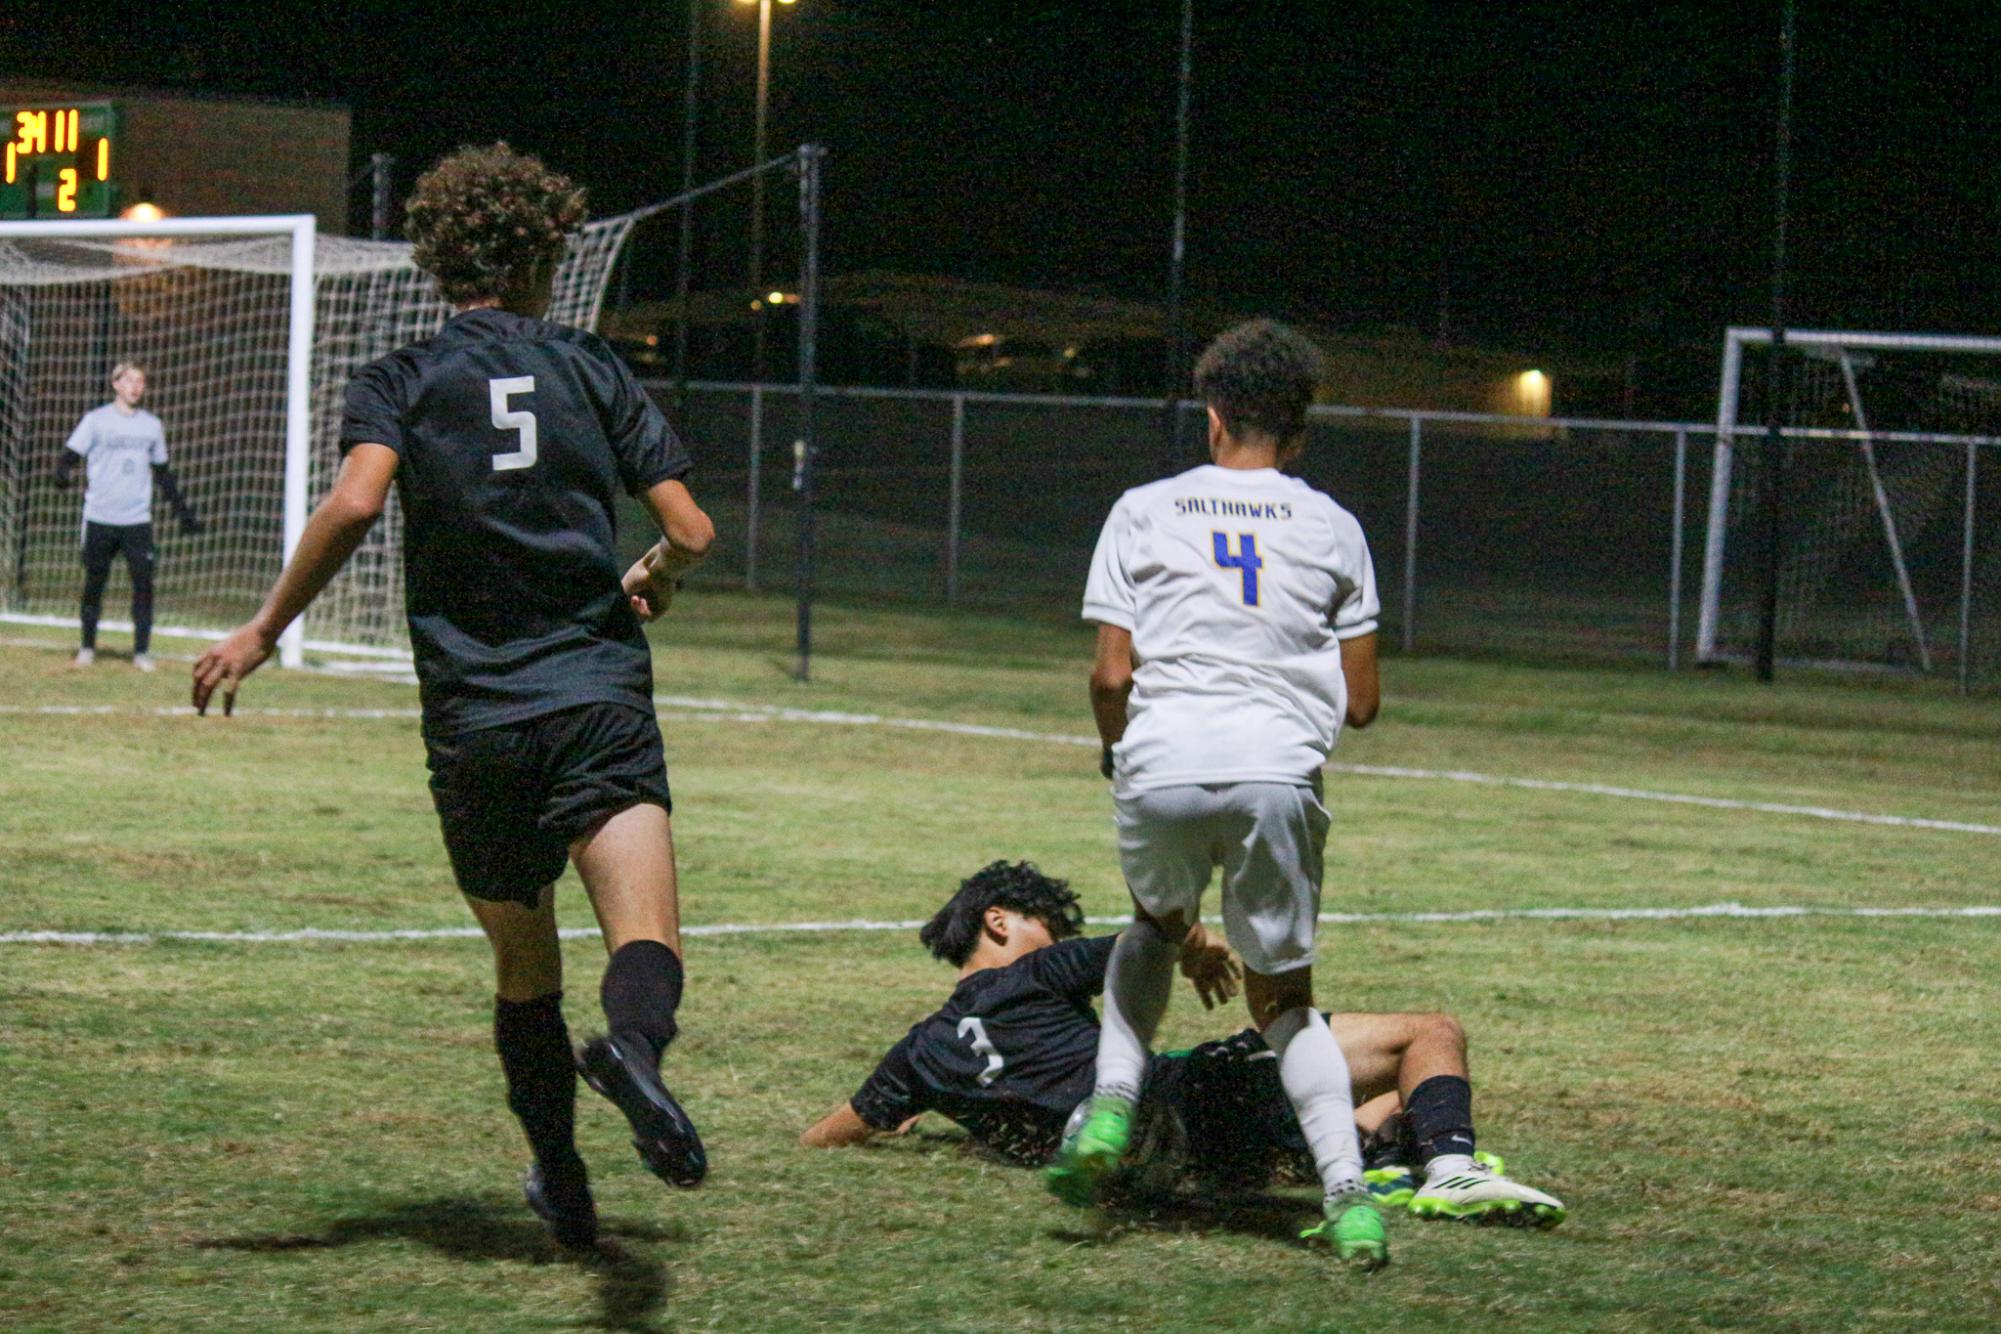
[{"x": 1247, "y": 560}]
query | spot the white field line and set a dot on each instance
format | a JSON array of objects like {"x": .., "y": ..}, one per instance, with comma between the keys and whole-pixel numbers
[
  {"x": 693, "y": 709},
  {"x": 315, "y": 935},
  {"x": 320, "y": 935},
  {"x": 184, "y": 711}
]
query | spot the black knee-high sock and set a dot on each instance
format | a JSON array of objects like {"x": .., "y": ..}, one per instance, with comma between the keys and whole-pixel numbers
[
  {"x": 1440, "y": 1116},
  {"x": 641, "y": 991},
  {"x": 534, "y": 1046}
]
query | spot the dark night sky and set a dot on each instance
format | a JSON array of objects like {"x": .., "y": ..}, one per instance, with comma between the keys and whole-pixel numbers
[{"x": 1596, "y": 175}]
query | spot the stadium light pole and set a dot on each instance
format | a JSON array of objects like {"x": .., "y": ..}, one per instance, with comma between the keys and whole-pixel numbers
[
  {"x": 1178, "y": 244},
  {"x": 1772, "y": 506},
  {"x": 757, "y": 186},
  {"x": 691, "y": 112}
]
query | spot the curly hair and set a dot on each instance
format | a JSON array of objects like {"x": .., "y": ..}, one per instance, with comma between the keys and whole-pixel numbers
[
  {"x": 482, "y": 219},
  {"x": 1260, "y": 376},
  {"x": 1017, "y": 886}
]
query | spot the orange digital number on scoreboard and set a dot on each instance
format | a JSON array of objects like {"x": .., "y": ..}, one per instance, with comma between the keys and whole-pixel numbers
[{"x": 59, "y": 161}]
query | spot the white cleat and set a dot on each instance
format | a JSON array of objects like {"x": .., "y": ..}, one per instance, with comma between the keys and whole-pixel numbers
[
  {"x": 144, "y": 662},
  {"x": 84, "y": 657},
  {"x": 1480, "y": 1194}
]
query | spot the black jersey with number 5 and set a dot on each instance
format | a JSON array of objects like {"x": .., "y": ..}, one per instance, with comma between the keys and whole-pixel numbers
[
  {"x": 514, "y": 436},
  {"x": 1008, "y": 1057}
]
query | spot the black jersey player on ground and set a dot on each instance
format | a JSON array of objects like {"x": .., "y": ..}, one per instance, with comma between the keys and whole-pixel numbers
[
  {"x": 1012, "y": 1054},
  {"x": 508, "y": 438}
]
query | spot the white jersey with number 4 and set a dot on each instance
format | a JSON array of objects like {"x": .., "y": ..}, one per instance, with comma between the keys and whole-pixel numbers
[{"x": 1238, "y": 586}]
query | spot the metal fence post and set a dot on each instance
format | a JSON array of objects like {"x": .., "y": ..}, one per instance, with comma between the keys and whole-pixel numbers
[
  {"x": 1966, "y": 576},
  {"x": 1410, "y": 539},
  {"x": 1674, "y": 548},
  {"x": 953, "y": 510},
  {"x": 750, "y": 499}
]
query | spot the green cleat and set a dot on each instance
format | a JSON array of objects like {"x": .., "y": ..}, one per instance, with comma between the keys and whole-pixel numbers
[
  {"x": 1354, "y": 1228},
  {"x": 1092, "y": 1153}
]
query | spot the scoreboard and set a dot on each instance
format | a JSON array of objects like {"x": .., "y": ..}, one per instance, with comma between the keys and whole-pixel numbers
[{"x": 59, "y": 161}]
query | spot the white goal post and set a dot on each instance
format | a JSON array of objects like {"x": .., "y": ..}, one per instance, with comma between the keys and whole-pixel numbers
[
  {"x": 1870, "y": 515},
  {"x": 249, "y": 328},
  {"x": 301, "y": 230}
]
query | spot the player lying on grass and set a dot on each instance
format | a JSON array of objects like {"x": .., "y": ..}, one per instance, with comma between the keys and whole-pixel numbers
[
  {"x": 1012, "y": 1053},
  {"x": 507, "y": 438}
]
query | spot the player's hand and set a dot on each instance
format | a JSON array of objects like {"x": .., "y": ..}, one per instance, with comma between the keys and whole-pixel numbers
[
  {"x": 226, "y": 664},
  {"x": 1207, "y": 962},
  {"x": 650, "y": 593}
]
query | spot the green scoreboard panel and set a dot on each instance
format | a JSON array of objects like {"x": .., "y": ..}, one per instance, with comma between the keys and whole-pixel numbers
[{"x": 59, "y": 161}]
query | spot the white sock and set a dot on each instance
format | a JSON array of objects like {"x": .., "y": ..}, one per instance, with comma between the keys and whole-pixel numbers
[
  {"x": 1445, "y": 1164},
  {"x": 1315, "y": 1075},
  {"x": 1137, "y": 983}
]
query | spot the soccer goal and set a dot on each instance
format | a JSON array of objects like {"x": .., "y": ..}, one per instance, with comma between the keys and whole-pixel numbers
[
  {"x": 249, "y": 329},
  {"x": 1885, "y": 535}
]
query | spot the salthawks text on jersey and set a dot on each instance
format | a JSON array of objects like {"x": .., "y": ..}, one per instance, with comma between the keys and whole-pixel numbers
[{"x": 1233, "y": 509}]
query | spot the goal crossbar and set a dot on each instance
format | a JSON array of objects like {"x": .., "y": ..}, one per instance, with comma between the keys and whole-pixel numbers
[
  {"x": 302, "y": 228},
  {"x": 1838, "y": 345}
]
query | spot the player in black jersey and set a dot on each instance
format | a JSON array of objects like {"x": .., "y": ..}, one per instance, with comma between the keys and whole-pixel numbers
[
  {"x": 1012, "y": 1054},
  {"x": 507, "y": 439}
]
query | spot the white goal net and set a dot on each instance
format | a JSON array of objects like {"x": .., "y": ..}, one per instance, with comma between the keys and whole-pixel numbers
[
  {"x": 1889, "y": 543},
  {"x": 207, "y": 307}
]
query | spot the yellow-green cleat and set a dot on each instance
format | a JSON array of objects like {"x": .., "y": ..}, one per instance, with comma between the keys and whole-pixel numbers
[
  {"x": 1482, "y": 1194},
  {"x": 1390, "y": 1187},
  {"x": 1354, "y": 1228},
  {"x": 1091, "y": 1153}
]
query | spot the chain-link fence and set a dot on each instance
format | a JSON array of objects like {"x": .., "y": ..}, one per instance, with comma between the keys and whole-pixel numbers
[{"x": 1540, "y": 538}]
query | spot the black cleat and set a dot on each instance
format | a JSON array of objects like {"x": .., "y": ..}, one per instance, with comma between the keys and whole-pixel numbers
[
  {"x": 622, "y": 1069},
  {"x": 563, "y": 1202}
]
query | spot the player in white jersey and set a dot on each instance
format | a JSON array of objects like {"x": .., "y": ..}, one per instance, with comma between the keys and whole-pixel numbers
[
  {"x": 123, "y": 449},
  {"x": 1236, "y": 611}
]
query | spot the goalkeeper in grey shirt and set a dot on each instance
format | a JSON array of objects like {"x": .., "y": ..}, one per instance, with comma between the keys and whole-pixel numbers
[{"x": 123, "y": 450}]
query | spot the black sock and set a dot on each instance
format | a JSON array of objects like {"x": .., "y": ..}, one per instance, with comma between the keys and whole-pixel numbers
[
  {"x": 1385, "y": 1146},
  {"x": 1440, "y": 1112},
  {"x": 641, "y": 991},
  {"x": 541, "y": 1071}
]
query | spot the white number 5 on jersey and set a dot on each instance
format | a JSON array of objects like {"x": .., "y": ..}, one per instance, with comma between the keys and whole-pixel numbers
[
  {"x": 498, "y": 392},
  {"x": 982, "y": 1046}
]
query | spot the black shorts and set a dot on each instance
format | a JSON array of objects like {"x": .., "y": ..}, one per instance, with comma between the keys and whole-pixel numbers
[
  {"x": 103, "y": 542},
  {"x": 1236, "y": 1126},
  {"x": 511, "y": 798}
]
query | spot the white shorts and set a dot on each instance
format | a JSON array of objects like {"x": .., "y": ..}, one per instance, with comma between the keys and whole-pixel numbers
[{"x": 1267, "y": 837}]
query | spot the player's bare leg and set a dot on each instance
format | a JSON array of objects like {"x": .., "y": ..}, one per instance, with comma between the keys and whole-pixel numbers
[
  {"x": 535, "y": 1055},
  {"x": 1428, "y": 1163},
  {"x": 1399, "y": 1051},
  {"x": 1390, "y": 1058},
  {"x": 1372, "y": 1112},
  {"x": 627, "y": 865},
  {"x": 1314, "y": 1072},
  {"x": 527, "y": 956}
]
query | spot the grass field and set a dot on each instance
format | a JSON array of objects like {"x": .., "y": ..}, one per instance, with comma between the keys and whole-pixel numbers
[{"x": 1773, "y": 1123}]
